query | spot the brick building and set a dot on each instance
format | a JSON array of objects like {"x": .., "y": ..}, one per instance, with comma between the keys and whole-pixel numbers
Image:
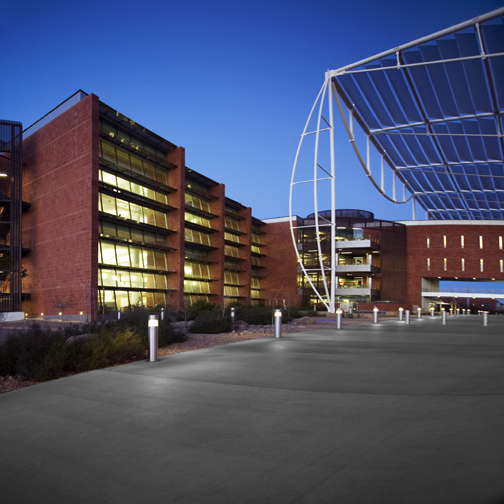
[{"x": 117, "y": 219}]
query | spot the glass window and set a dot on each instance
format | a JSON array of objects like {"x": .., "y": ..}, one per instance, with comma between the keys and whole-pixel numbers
[
  {"x": 123, "y": 209},
  {"x": 160, "y": 282},
  {"x": 160, "y": 258},
  {"x": 462, "y": 264},
  {"x": 136, "y": 212},
  {"x": 445, "y": 263},
  {"x": 428, "y": 263},
  {"x": 481, "y": 242},
  {"x": 108, "y": 277},
  {"x": 123, "y": 159},
  {"x": 123, "y": 257},
  {"x": 136, "y": 165},
  {"x": 108, "y": 255},
  {"x": 428, "y": 242},
  {"x": 108, "y": 152},
  {"x": 160, "y": 219},
  {"x": 149, "y": 281},
  {"x": 462, "y": 241},
  {"x": 136, "y": 257},
  {"x": 108, "y": 205},
  {"x": 481, "y": 264},
  {"x": 137, "y": 280},
  {"x": 148, "y": 258},
  {"x": 444, "y": 241},
  {"x": 149, "y": 216}
]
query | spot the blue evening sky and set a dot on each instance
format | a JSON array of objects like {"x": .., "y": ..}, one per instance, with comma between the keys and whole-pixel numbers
[{"x": 231, "y": 81}]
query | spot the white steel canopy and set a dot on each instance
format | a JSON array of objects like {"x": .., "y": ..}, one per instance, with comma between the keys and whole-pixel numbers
[
  {"x": 433, "y": 112},
  {"x": 433, "y": 109}
]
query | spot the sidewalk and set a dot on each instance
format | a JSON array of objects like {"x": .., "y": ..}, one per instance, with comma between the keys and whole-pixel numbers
[{"x": 372, "y": 413}]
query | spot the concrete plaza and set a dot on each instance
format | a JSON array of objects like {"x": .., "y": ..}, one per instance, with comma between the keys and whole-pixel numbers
[{"x": 372, "y": 413}]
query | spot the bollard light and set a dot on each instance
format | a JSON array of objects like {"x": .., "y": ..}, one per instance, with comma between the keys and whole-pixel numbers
[
  {"x": 375, "y": 315},
  {"x": 432, "y": 311},
  {"x": 162, "y": 313},
  {"x": 153, "y": 338},
  {"x": 407, "y": 316},
  {"x": 401, "y": 309},
  {"x": 443, "y": 315},
  {"x": 451, "y": 311},
  {"x": 419, "y": 312},
  {"x": 458, "y": 311},
  {"x": 485, "y": 318},
  {"x": 278, "y": 323},
  {"x": 119, "y": 314},
  {"x": 338, "y": 318},
  {"x": 232, "y": 319}
]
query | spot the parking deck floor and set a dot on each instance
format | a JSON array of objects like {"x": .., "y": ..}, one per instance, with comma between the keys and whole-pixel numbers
[{"x": 372, "y": 413}]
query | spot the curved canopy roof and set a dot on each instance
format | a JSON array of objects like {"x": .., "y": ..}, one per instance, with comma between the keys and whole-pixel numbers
[{"x": 434, "y": 110}]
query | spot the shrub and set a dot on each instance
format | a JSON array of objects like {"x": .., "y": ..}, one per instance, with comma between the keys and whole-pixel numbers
[
  {"x": 43, "y": 354},
  {"x": 211, "y": 322}
]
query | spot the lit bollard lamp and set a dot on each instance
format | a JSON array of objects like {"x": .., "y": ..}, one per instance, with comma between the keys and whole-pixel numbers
[
  {"x": 407, "y": 316},
  {"x": 153, "y": 338},
  {"x": 401, "y": 313},
  {"x": 432, "y": 311},
  {"x": 233, "y": 319},
  {"x": 443, "y": 314},
  {"x": 162, "y": 313},
  {"x": 485, "y": 318},
  {"x": 375, "y": 315},
  {"x": 458, "y": 311},
  {"x": 339, "y": 314},
  {"x": 419, "y": 312},
  {"x": 278, "y": 323},
  {"x": 119, "y": 314},
  {"x": 451, "y": 311}
]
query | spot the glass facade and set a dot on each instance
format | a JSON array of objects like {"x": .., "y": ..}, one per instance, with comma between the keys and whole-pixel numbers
[{"x": 132, "y": 268}]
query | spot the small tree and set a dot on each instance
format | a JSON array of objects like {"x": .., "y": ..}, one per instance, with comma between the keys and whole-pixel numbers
[{"x": 62, "y": 305}]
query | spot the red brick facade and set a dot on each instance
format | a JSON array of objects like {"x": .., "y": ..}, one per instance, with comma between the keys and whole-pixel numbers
[
  {"x": 430, "y": 243},
  {"x": 60, "y": 180}
]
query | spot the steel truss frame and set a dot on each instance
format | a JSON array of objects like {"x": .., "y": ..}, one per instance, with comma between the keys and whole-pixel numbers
[{"x": 433, "y": 111}]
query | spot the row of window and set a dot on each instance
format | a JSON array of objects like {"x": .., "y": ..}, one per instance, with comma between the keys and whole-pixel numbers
[
  {"x": 232, "y": 223},
  {"x": 196, "y": 270},
  {"x": 462, "y": 241},
  {"x": 231, "y": 278},
  {"x": 231, "y": 251},
  {"x": 122, "y": 299},
  {"x": 463, "y": 264},
  {"x": 129, "y": 233},
  {"x": 232, "y": 237},
  {"x": 130, "y": 162},
  {"x": 193, "y": 236},
  {"x": 131, "y": 211},
  {"x": 196, "y": 219},
  {"x": 132, "y": 187},
  {"x": 129, "y": 256},
  {"x": 197, "y": 202},
  {"x": 195, "y": 286},
  {"x": 116, "y": 131},
  {"x": 125, "y": 279}
]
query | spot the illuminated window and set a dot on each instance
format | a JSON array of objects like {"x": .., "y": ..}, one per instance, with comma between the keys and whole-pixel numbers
[
  {"x": 232, "y": 223},
  {"x": 501, "y": 263},
  {"x": 193, "y": 236},
  {"x": 231, "y": 251},
  {"x": 231, "y": 237},
  {"x": 256, "y": 238},
  {"x": 255, "y": 283},
  {"x": 428, "y": 263},
  {"x": 445, "y": 263},
  {"x": 196, "y": 219},
  {"x": 197, "y": 202},
  {"x": 481, "y": 242},
  {"x": 462, "y": 241},
  {"x": 481, "y": 264},
  {"x": 462, "y": 265},
  {"x": 231, "y": 291},
  {"x": 500, "y": 242},
  {"x": 444, "y": 241},
  {"x": 231, "y": 278},
  {"x": 428, "y": 242},
  {"x": 255, "y": 249}
]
